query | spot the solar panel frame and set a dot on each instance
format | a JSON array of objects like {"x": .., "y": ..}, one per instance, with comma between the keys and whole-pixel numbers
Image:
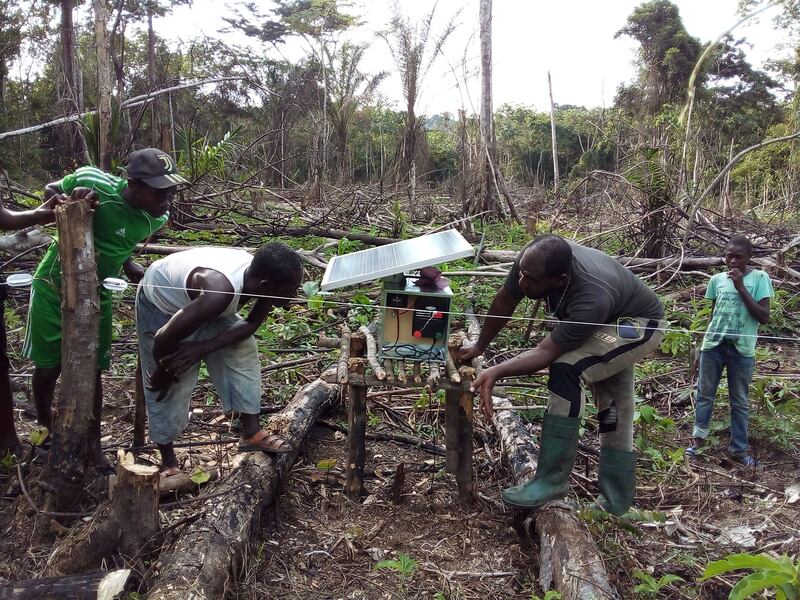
[{"x": 383, "y": 261}]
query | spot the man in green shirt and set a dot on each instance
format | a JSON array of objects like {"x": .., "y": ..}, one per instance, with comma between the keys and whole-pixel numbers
[
  {"x": 127, "y": 212},
  {"x": 741, "y": 300}
]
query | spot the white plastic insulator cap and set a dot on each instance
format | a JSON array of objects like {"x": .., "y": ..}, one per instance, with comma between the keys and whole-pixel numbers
[
  {"x": 114, "y": 284},
  {"x": 17, "y": 280}
]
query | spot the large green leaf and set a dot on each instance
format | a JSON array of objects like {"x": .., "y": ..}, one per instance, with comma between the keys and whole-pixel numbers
[
  {"x": 756, "y": 562},
  {"x": 756, "y": 582}
]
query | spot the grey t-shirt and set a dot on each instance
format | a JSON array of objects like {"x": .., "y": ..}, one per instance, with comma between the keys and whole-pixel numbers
[{"x": 600, "y": 290}]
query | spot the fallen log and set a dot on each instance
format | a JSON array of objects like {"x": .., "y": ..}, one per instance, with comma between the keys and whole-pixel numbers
[
  {"x": 568, "y": 558},
  {"x": 23, "y": 240},
  {"x": 205, "y": 559},
  {"x": 88, "y": 586}
]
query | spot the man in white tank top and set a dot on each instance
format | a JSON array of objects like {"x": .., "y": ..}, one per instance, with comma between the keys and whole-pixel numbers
[{"x": 186, "y": 311}]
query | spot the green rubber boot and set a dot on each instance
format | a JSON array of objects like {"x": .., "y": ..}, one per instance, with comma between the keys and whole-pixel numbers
[
  {"x": 617, "y": 479},
  {"x": 559, "y": 446}
]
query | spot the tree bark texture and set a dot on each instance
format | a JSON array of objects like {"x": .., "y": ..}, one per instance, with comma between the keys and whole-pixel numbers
[
  {"x": 568, "y": 558},
  {"x": 104, "y": 147},
  {"x": 80, "y": 310},
  {"x": 88, "y": 586},
  {"x": 127, "y": 526},
  {"x": 206, "y": 557},
  {"x": 489, "y": 153}
]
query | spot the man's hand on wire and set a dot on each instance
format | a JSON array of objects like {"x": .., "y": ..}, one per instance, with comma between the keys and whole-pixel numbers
[{"x": 483, "y": 384}]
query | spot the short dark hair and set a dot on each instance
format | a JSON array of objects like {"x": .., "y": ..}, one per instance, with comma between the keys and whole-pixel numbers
[
  {"x": 277, "y": 262},
  {"x": 555, "y": 251},
  {"x": 743, "y": 241}
]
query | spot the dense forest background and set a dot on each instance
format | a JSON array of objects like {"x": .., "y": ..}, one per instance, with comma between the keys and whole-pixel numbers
[{"x": 239, "y": 121}]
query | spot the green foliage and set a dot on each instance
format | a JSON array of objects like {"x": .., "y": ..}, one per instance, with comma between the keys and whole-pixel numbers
[
  {"x": 780, "y": 576},
  {"x": 199, "y": 476},
  {"x": 373, "y": 419},
  {"x": 199, "y": 157},
  {"x": 775, "y": 413},
  {"x": 326, "y": 464},
  {"x": 650, "y": 587},
  {"x": 38, "y": 435},
  {"x": 405, "y": 565},
  {"x": 548, "y": 595}
]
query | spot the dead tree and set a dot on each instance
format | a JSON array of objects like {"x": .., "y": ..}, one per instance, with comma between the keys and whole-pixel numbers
[
  {"x": 205, "y": 559},
  {"x": 80, "y": 310},
  {"x": 104, "y": 148}
]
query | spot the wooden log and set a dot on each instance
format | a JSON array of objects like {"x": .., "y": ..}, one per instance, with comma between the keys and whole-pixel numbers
[
  {"x": 402, "y": 376},
  {"x": 464, "y": 426},
  {"x": 23, "y": 240},
  {"x": 568, "y": 557},
  {"x": 204, "y": 559},
  {"x": 80, "y": 310},
  {"x": 324, "y": 341},
  {"x": 452, "y": 371},
  {"x": 139, "y": 409},
  {"x": 397, "y": 483},
  {"x": 344, "y": 355},
  {"x": 181, "y": 483},
  {"x": 126, "y": 526},
  {"x": 388, "y": 365},
  {"x": 434, "y": 375},
  {"x": 417, "y": 368},
  {"x": 372, "y": 353},
  {"x": 451, "y": 402},
  {"x": 99, "y": 585},
  {"x": 356, "y": 443}
]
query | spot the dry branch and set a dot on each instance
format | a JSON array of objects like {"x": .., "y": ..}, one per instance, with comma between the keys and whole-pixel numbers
[
  {"x": 87, "y": 586},
  {"x": 204, "y": 560},
  {"x": 372, "y": 353},
  {"x": 344, "y": 355}
]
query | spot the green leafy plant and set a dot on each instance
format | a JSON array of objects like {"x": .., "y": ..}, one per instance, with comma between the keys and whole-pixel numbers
[
  {"x": 650, "y": 586},
  {"x": 548, "y": 595},
  {"x": 38, "y": 435},
  {"x": 405, "y": 565},
  {"x": 200, "y": 476},
  {"x": 373, "y": 419},
  {"x": 779, "y": 575},
  {"x": 326, "y": 464}
]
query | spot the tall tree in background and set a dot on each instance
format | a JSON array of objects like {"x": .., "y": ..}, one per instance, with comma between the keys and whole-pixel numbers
[
  {"x": 70, "y": 97},
  {"x": 667, "y": 53},
  {"x": 10, "y": 41},
  {"x": 104, "y": 142},
  {"x": 348, "y": 89},
  {"x": 414, "y": 49}
]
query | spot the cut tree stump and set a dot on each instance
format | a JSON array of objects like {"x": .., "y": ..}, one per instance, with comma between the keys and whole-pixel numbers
[
  {"x": 80, "y": 310},
  {"x": 89, "y": 586},
  {"x": 568, "y": 557},
  {"x": 127, "y": 525},
  {"x": 208, "y": 554}
]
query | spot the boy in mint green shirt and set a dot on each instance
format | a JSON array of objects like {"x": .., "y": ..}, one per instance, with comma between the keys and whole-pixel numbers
[{"x": 741, "y": 299}]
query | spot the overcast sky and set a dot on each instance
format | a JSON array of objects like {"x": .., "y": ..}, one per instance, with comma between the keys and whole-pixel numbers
[{"x": 573, "y": 39}]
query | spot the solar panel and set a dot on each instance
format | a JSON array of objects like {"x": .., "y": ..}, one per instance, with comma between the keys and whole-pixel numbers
[{"x": 383, "y": 261}]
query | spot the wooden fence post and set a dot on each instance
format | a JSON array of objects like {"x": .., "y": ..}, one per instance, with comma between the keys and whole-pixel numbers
[
  {"x": 357, "y": 422},
  {"x": 80, "y": 310}
]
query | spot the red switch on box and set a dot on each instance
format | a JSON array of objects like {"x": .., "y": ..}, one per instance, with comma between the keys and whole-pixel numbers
[{"x": 417, "y": 333}]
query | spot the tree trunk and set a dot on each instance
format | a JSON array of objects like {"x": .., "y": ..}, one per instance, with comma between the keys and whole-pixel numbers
[
  {"x": 488, "y": 153},
  {"x": 155, "y": 124},
  {"x": 568, "y": 558},
  {"x": 127, "y": 526},
  {"x": 206, "y": 557},
  {"x": 80, "y": 309},
  {"x": 554, "y": 139},
  {"x": 72, "y": 136},
  {"x": 88, "y": 586},
  {"x": 104, "y": 147}
]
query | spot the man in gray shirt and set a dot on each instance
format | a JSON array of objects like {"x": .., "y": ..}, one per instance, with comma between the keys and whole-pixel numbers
[{"x": 608, "y": 320}]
